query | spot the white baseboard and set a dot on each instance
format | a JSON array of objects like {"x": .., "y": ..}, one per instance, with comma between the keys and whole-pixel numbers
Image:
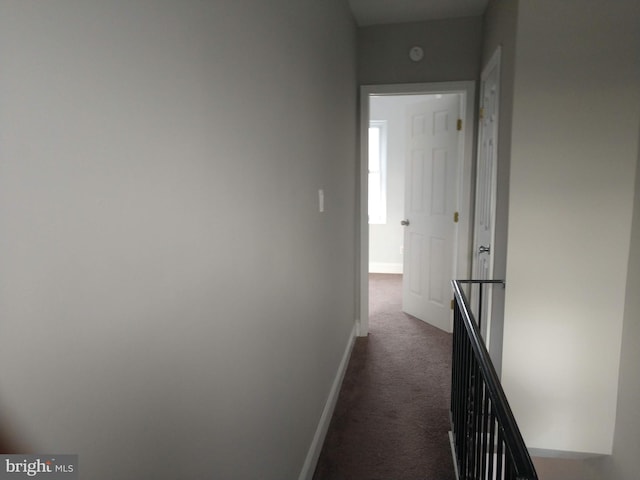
[
  {"x": 380, "y": 267},
  {"x": 325, "y": 419},
  {"x": 563, "y": 454},
  {"x": 453, "y": 454}
]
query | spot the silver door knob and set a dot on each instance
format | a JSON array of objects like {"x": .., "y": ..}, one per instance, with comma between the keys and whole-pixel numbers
[
  {"x": 484, "y": 249},
  {"x": 404, "y": 223}
]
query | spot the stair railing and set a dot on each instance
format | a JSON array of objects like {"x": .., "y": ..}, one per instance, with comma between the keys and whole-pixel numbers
[{"x": 486, "y": 439}]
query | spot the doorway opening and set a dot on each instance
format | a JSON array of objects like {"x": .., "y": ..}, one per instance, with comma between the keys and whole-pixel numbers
[{"x": 415, "y": 193}]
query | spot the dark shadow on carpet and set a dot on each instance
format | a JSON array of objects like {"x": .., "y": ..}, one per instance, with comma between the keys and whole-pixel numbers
[{"x": 391, "y": 420}]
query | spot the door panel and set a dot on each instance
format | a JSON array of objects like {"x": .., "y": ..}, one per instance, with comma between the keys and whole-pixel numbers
[
  {"x": 413, "y": 277},
  {"x": 416, "y": 177},
  {"x": 437, "y": 270}
]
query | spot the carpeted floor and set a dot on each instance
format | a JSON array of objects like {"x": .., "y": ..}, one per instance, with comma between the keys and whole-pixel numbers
[{"x": 391, "y": 420}]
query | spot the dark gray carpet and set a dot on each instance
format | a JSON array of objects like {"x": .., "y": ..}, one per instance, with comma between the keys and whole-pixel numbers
[{"x": 391, "y": 420}]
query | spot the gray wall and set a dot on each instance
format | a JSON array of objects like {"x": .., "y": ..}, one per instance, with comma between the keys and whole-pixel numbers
[
  {"x": 615, "y": 81},
  {"x": 573, "y": 158},
  {"x": 452, "y": 49},
  {"x": 623, "y": 464},
  {"x": 173, "y": 304}
]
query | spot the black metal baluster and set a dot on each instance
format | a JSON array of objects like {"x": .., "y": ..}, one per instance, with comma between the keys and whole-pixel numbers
[
  {"x": 480, "y": 308},
  {"x": 499, "y": 472},
  {"x": 492, "y": 441},
  {"x": 485, "y": 430},
  {"x": 464, "y": 398},
  {"x": 456, "y": 395},
  {"x": 477, "y": 410}
]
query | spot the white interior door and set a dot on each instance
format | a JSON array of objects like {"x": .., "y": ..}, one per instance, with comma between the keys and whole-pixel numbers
[
  {"x": 431, "y": 197},
  {"x": 486, "y": 186}
]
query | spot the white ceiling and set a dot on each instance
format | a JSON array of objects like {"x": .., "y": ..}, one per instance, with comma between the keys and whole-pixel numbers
[{"x": 375, "y": 12}]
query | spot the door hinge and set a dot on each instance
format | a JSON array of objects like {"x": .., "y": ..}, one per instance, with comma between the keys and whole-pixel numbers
[
  {"x": 452, "y": 302},
  {"x": 481, "y": 112},
  {"x": 459, "y": 124},
  {"x": 456, "y": 217}
]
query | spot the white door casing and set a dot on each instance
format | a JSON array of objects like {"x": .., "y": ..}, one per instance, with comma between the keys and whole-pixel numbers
[
  {"x": 462, "y": 236},
  {"x": 430, "y": 203},
  {"x": 485, "y": 201}
]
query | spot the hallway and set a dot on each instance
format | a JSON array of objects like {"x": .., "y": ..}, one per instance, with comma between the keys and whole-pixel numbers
[{"x": 392, "y": 416}]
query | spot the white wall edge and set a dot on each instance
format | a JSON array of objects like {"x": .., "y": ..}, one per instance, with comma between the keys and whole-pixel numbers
[
  {"x": 563, "y": 454},
  {"x": 380, "y": 267},
  {"x": 315, "y": 448}
]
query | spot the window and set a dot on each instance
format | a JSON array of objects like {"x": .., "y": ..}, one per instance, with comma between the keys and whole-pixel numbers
[{"x": 377, "y": 171}]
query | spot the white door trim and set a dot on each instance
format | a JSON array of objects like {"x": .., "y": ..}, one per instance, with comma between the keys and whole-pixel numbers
[{"x": 463, "y": 232}]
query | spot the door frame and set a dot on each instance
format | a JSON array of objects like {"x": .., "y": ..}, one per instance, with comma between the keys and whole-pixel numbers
[
  {"x": 491, "y": 332},
  {"x": 462, "y": 242}
]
